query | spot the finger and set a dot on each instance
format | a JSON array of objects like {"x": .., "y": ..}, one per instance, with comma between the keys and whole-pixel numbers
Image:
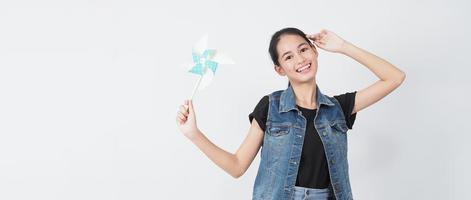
[
  {"x": 314, "y": 36},
  {"x": 310, "y": 39},
  {"x": 319, "y": 44},
  {"x": 184, "y": 109},
  {"x": 323, "y": 33},
  {"x": 179, "y": 121},
  {"x": 319, "y": 36},
  {"x": 182, "y": 113},
  {"x": 191, "y": 106},
  {"x": 182, "y": 117},
  {"x": 186, "y": 104}
]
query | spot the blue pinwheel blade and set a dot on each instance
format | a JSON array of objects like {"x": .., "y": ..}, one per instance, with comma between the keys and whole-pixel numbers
[
  {"x": 196, "y": 57},
  {"x": 211, "y": 65},
  {"x": 197, "y": 69}
]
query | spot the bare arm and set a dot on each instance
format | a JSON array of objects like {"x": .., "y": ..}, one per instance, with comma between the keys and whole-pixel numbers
[
  {"x": 389, "y": 76},
  {"x": 234, "y": 164}
]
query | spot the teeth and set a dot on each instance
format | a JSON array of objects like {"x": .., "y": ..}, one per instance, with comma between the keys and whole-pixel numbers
[{"x": 303, "y": 68}]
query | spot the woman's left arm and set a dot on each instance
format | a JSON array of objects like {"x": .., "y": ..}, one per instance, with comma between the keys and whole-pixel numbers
[{"x": 389, "y": 76}]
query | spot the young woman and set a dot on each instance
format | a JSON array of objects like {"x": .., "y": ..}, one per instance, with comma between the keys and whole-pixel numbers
[{"x": 302, "y": 132}]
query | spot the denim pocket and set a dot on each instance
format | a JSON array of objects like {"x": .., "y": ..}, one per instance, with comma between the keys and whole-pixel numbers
[
  {"x": 276, "y": 143},
  {"x": 339, "y": 125},
  {"x": 278, "y": 130}
]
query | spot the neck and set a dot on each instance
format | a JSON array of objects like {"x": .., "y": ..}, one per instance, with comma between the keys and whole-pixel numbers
[{"x": 305, "y": 94}]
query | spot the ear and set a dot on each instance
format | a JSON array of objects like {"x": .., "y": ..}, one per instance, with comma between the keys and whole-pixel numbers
[{"x": 280, "y": 70}]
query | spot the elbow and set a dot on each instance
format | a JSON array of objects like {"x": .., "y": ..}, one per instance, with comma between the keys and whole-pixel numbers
[
  {"x": 403, "y": 76},
  {"x": 237, "y": 174},
  {"x": 400, "y": 78},
  {"x": 237, "y": 170}
]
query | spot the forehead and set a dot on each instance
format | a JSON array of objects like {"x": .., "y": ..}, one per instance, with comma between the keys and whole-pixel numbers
[{"x": 289, "y": 43}]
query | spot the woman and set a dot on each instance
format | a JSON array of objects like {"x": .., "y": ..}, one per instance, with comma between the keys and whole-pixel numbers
[{"x": 302, "y": 132}]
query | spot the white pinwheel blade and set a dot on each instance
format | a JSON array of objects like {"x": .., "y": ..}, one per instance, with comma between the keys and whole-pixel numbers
[
  {"x": 188, "y": 66},
  {"x": 206, "y": 79},
  {"x": 222, "y": 58},
  {"x": 201, "y": 45}
]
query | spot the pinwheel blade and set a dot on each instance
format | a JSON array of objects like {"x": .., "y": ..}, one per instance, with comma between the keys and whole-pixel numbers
[
  {"x": 222, "y": 58},
  {"x": 201, "y": 45},
  {"x": 195, "y": 56},
  {"x": 206, "y": 79},
  {"x": 211, "y": 65},
  {"x": 197, "y": 69}
]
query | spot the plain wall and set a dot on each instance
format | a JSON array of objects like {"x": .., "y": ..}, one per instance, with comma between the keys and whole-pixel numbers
[{"x": 89, "y": 92}]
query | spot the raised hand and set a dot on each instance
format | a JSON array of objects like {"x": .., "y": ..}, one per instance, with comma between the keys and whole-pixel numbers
[{"x": 328, "y": 40}]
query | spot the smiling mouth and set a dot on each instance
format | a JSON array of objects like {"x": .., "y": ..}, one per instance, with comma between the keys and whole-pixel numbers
[{"x": 305, "y": 68}]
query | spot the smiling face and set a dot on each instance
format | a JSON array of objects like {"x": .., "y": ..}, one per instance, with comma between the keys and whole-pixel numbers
[{"x": 297, "y": 59}]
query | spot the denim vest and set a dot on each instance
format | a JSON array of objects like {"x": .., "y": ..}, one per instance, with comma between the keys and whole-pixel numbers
[{"x": 283, "y": 142}]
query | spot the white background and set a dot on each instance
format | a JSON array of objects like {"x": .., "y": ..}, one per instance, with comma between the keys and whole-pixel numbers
[{"x": 89, "y": 92}]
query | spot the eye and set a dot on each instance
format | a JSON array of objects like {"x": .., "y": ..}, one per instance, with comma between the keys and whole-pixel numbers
[
  {"x": 304, "y": 49},
  {"x": 288, "y": 57}
]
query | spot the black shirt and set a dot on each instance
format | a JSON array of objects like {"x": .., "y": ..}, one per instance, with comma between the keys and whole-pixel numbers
[{"x": 313, "y": 170}]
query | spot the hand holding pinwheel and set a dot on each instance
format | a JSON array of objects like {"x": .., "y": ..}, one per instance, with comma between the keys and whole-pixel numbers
[{"x": 205, "y": 63}]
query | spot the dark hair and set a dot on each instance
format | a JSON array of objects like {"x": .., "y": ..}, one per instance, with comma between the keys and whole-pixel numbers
[{"x": 276, "y": 38}]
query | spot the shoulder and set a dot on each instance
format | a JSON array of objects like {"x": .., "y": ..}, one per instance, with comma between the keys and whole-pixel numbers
[{"x": 264, "y": 101}]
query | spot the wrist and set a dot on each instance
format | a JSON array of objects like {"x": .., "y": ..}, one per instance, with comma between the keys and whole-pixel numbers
[
  {"x": 346, "y": 48},
  {"x": 194, "y": 135}
]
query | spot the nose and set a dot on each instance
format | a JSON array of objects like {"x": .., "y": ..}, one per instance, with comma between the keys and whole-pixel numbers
[{"x": 300, "y": 59}]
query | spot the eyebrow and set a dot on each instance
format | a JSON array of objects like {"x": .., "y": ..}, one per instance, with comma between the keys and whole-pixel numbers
[{"x": 304, "y": 43}]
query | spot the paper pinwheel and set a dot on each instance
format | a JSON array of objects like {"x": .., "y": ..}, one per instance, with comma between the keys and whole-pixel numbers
[{"x": 205, "y": 63}]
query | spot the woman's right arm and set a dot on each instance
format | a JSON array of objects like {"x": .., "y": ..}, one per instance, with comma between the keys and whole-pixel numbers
[{"x": 234, "y": 164}]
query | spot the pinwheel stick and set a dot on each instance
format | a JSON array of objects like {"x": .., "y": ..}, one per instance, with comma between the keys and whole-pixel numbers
[{"x": 196, "y": 87}]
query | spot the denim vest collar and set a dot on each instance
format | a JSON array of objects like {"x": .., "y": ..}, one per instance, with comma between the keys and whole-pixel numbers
[{"x": 288, "y": 100}]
